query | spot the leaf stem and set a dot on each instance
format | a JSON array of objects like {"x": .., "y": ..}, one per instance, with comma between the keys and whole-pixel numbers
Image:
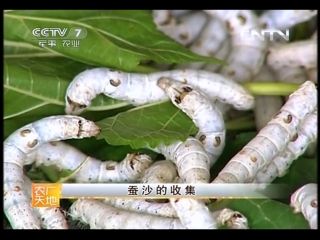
[{"x": 271, "y": 88}]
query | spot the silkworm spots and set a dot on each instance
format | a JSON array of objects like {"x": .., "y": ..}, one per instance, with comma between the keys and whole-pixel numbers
[
  {"x": 53, "y": 144},
  {"x": 115, "y": 83},
  {"x": 242, "y": 19},
  {"x": 33, "y": 143},
  {"x": 183, "y": 36},
  {"x": 253, "y": 159},
  {"x": 218, "y": 142},
  {"x": 110, "y": 168},
  {"x": 202, "y": 138},
  {"x": 23, "y": 133},
  {"x": 242, "y": 152},
  {"x": 288, "y": 119},
  {"x": 231, "y": 73},
  {"x": 314, "y": 203},
  {"x": 294, "y": 138},
  {"x": 16, "y": 189}
]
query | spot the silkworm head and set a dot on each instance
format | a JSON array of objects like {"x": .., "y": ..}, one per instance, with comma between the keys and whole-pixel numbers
[
  {"x": 73, "y": 107},
  {"x": 87, "y": 128}
]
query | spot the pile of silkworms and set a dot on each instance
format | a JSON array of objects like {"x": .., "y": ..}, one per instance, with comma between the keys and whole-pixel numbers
[{"x": 204, "y": 92}]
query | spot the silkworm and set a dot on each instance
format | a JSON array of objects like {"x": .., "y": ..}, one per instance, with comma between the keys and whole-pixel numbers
[
  {"x": 305, "y": 200},
  {"x": 208, "y": 43},
  {"x": 192, "y": 213},
  {"x": 265, "y": 106},
  {"x": 272, "y": 139},
  {"x": 24, "y": 141},
  {"x": 65, "y": 157},
  {"x": 289, "y": 74},
  {"x": 140, "y": 89},
  {"x": 205, "y": 115},
  {"x": 160, "y": 172},
  {"x": 295, "y": 54},
  {"x": 306, "y": 135},
  {"x": 50, "y": 218},
  {"x": 193, "y": 165},
  {"x": 228, "y": 217},
  {"x": 222, "y": 53},
  {"x": 143, "y": 206},
  {"x": 285, "y": 19},
  {"x": 190, "y": 158},
  {"x": 184, "y": 30},
  {"x": 247, "y": 54},
  {"x": 101, "y": 216}
]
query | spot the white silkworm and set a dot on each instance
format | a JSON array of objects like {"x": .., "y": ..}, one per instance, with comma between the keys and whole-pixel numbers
[
  {"x": 143, "y": 206},
  {"x": 140, "y": 89},
  {"x": 191, "y": 159},
  {"x": 247, "y": 54},
  {"x": 296, "y": 54},
  {"x": 50, "y": 218},
  {"x": 285, "y": 19},
  {"x": 184, "y": 30},
  {"x": 228, "y": 217},
  {"x": 305, "y": 200},
  {"x": 192, "y": 213},
  {"x": 306, "y": 134},
  {"x": 265, "y": 106},
  {"x": 101, "y": 216},
  {"x": 291, "y": 75},
  {"x": 208, "y": 43},
  {"x": 222, "y": 54},
  {"x": 232, "y": 219},
  {"x": 160, "y": 172},
  {"x": 24, "y": 141},
  {"x": 272, "y": 139},
  {"x": 206, "y": 116},
  {"x": 65, "y": 157}
]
